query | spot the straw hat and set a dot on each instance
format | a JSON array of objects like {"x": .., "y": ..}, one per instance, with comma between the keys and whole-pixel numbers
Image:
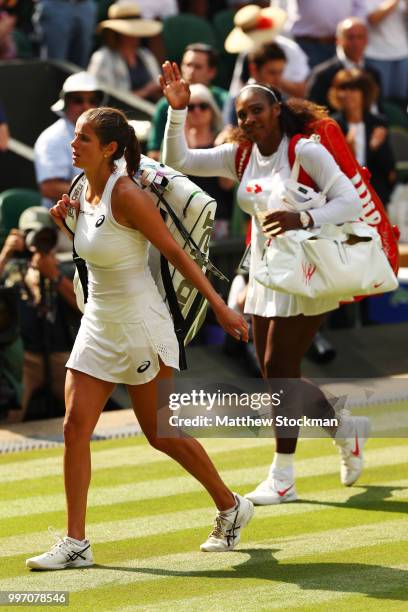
[
  {"x": 125, "y": 19},
  {"x": 253, "y": 27}
]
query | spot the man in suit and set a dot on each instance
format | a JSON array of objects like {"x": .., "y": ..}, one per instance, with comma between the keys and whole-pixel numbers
[{"x": 351, "y": 38}]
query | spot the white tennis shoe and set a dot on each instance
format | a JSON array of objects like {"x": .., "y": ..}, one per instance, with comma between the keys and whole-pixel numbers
[
  {"x": 227, "y": 529},
  {"x": 273, "y": 491},
  {"x": 65, "y": 553},
  {"x": 350, "y": 439}
]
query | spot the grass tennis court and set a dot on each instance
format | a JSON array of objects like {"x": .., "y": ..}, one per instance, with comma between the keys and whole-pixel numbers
[{"x": 338, "y": 548}]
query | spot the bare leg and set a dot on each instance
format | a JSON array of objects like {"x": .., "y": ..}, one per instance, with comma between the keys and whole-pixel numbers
[
  {"x": 85, "y": 398},
  {"x": 281, "y": 343},
  {"x": 186, "y": 451}
]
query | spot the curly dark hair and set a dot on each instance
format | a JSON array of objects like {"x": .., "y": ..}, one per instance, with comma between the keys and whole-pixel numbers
[{"x": 297, "y": 115}]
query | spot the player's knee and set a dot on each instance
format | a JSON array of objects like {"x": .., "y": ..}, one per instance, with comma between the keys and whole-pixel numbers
[
  {"x": 76, "y": 432},
  {"x": 160, "y": 444}
]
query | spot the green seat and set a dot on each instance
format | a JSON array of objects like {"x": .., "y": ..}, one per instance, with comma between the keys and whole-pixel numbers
[
  {"x": 395, "y": 115},
  {"x": 103, "y": 6},
  {"x": 182, "y": 30},
  {"x": 23, "y": 45},
  {"x": 223, "y": 22},
  {"x": 12, "y": 203}
]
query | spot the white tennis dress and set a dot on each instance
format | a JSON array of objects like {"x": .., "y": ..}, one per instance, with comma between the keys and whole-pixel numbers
[{"x": 126, "y": 325}]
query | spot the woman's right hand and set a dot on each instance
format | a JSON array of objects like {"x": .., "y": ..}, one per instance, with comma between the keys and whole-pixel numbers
[
  {"x": 232, "y": 322},
  {"x": 173, "y": 86},
  {"x": 60, "y": 211}
]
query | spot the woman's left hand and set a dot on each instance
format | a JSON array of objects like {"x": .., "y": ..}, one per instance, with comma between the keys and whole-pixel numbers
[
  {"x": 232, "y": 322},
  {"x": 279, "y": 221}
]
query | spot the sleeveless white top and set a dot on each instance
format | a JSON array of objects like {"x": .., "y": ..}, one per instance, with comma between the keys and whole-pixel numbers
[{"x": 126, "y": 323}]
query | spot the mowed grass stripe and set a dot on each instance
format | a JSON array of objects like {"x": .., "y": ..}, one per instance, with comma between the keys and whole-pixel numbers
[
  {"x": 136, "y": 497},
  {"x": 200, "y": 565},
  {"x": 139, "y": 453},
  {"x": 135, "y": 451},
  {"x": 188, "y": 540},
  {"x": 287, "y": 588},
  {"x": 154, "y": 488},
  {"x": 142, "y": 526},
  {"x": 254, "y": 458},
  {"x": 375, "y": 497}
]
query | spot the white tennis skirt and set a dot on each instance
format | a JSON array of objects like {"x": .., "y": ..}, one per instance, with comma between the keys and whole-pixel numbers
[{"x": 125, "y": 353}]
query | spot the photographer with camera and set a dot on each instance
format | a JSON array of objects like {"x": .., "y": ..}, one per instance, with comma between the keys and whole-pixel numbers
[{"x": 47, "y": 309}]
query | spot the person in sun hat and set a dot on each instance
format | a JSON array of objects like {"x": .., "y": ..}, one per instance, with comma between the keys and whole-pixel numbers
[
  {"x": 255, "y": 26},
  {"x": 266, "y": 64},
  {"x": 121, "y": 63},
  {"x": 52, "y": 149}
]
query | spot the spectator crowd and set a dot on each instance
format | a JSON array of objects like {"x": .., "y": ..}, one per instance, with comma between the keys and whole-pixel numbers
[{"x": 350, "y": 56}]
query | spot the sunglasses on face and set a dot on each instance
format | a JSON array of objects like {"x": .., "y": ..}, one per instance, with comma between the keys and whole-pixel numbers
[
  {"x": 201, "y": 105},
  {"x": 94, "y": 100}
]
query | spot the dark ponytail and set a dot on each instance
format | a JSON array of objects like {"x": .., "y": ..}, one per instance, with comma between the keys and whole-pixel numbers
[
  {"x": 298, "y": 116},
  {"x": 111, "y": 125},
  {"x": 132, "y": 152}
]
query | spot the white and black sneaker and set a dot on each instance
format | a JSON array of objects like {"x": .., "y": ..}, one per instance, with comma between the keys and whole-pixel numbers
[
  {"x": 65, "y": 553},
  {"x": 227, "y": 529}
]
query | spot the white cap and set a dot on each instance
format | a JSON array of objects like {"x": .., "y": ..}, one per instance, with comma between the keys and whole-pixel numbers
[{"x": 80, "y": 81}]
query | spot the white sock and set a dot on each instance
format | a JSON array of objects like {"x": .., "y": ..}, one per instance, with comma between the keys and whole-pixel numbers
[{"x": 283, "y": 466}]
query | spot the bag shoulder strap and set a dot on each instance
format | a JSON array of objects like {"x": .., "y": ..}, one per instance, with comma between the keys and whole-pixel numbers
[
  {"x": 242, "y": 156},
  {"x": 298, "y": 173},
  {"x": 302, "y": 176},
  {"x": 75, "y": 193}
]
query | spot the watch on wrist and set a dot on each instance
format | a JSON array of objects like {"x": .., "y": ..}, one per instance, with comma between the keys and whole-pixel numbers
[{"x": 305, "y": 219}]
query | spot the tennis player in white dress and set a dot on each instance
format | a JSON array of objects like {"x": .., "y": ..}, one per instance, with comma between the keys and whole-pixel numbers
[{"x": 126, "y": 334}]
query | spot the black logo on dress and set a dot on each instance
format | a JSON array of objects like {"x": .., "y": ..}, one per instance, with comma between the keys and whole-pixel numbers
[
  {"x": 100, "y": 221},
  {"x": 142, "y": 368}
]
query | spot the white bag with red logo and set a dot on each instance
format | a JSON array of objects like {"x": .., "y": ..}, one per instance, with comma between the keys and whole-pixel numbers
[{"x": 332, "y": 261}]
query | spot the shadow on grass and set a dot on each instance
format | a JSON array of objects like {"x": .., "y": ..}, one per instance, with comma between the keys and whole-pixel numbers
[
  {"x": 371, "y": 498},
  {"x": 361, "y": 579}
]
